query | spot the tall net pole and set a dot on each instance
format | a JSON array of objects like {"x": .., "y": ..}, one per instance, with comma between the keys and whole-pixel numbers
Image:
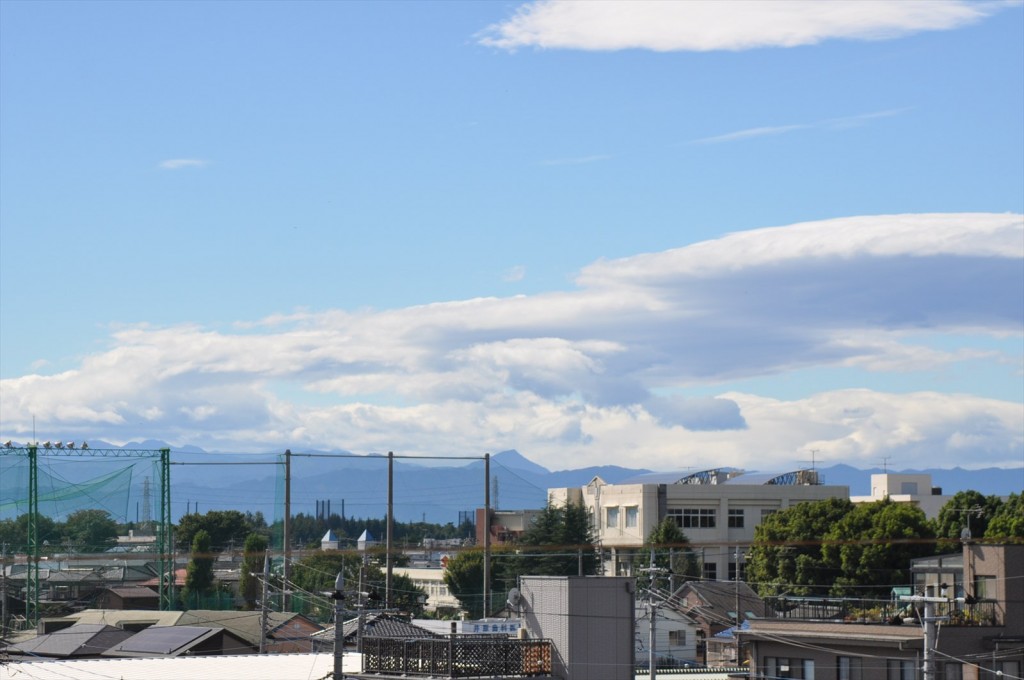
[
  {"x": 164, "y": 544},
  {"x": 32, "y": 576}
]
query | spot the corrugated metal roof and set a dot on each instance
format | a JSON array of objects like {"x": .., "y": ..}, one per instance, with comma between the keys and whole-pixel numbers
[{"x": 246, "y": 667}]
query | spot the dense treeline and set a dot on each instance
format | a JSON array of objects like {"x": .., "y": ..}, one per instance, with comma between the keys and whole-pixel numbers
[
  {"x": 838, "y": 548},
  {"x": 96, "y": 531}
]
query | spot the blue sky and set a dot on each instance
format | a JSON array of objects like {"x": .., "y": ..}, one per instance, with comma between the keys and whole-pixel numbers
[{"x": 649, "y": 234}]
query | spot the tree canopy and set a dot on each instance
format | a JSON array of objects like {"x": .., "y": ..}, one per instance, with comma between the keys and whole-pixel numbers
[
  {"x": 199, "y": 579},
  {"x": 90, "y": 530},
  {"x": 560, "y": 542},
  {"x": 1007, "y": 521},
  {"x": 253, "y": 554},
  {"x": 834, "y": 547},
  {"x": 464, "y": 576},
  {"x": 672, "y": 553},
  {"x": 224, "y": 527}
]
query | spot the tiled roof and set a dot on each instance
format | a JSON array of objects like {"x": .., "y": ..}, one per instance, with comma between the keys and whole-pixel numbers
[
  {"x": 245, "y": 625},
  {"x": 134, "y": 592},
  {"x": 718, "y": 599}
]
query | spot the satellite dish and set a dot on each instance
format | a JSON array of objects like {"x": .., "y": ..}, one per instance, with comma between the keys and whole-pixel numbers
[{"x": 514, "y": 596}]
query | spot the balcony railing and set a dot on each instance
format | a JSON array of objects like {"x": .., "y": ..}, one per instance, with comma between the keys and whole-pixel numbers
[
  {"x": 853, "y": 610},
  {"x": 460, "y": 656}
]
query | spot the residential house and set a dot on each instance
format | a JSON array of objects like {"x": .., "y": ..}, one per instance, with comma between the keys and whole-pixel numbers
[
  {"x": 287, "y": 632},
  {"x": 179, "y": 640},
  {"x": 86, "y": 640},
  {"x": 675, "y": 634},
  {"x": 717, "y": 606},
  {"x": 128, "y": 597}
]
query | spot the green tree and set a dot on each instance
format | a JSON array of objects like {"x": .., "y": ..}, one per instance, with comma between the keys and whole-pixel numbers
[
  {"x": 672, "y": 553},
  {"x": 315, "y": 573},
  {"x": 226, "y": 528},
  {"x": 406, "y": 596},
  {"x": 786, "y": 555},
  {"x": 965, "y": 509},
  {"x": 91, "y": 530},
  {"x": 560, "y": 542},
  {"x": 199, "y": 580},
  {"x": 464, "y": 576},
  {"x": 1008, "y": 521},
  {"x": 14, "y": 533},
  {"x": 253, "y": 555},
  {"x": 873, "y": 546}
]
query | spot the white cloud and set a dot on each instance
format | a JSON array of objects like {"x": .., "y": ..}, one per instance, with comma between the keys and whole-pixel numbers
[
  {"x": 703, "y": 25},
  {"x": 182, "y": 163},
  {"x": 578, "y": 376},
  {"x": 514, "y": 274}
]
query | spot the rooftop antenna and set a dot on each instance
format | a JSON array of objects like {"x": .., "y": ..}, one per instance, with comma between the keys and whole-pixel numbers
[
  {"x": 885, "y": 463},
  {"x": 813, "y": 453}
]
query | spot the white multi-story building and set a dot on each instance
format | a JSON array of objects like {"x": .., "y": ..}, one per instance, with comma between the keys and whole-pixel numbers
[
  {"x": 717, "y": 510},
  {"x": 431, "y": 580},
  {"x": 914, "y": 489}
]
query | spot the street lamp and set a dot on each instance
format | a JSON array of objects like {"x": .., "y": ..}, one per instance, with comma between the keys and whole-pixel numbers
[{"x": 339, "y": 637}]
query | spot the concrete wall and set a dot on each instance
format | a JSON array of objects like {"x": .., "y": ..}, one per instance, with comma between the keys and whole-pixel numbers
[{"x": 589, "y": 620}]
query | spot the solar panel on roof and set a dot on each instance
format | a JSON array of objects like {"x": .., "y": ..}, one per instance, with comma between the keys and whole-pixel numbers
[{"x": 161, "y": 640}]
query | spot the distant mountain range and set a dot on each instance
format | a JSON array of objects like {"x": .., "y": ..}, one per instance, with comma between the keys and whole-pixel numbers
[{"x": 357, "y": 485}]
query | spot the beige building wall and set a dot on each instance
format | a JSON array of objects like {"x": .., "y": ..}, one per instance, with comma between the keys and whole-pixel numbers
[{"x": 718, "y": 518}]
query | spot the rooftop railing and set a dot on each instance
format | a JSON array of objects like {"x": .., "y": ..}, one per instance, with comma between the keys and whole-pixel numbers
[{"x": 459, "y": 656}]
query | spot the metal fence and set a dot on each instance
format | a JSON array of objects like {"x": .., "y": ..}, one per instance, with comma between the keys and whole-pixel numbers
[
  {"x": 459, "y": 656},
  {"x": 983, "y": 613}
]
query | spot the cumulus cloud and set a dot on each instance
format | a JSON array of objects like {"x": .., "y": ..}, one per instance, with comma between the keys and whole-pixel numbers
[
  {"x": 181, "y": 163},
  {"x": 704, "y": 25},
  {"x": 581, "y": 376}
]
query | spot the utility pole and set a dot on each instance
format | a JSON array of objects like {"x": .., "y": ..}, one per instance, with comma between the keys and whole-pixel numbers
[
  {"x": 287, "y": 547},
  {"x": 930, "y": 632},
  {"x": 264, "y": 609},
  {"x": 487, "y": 533},
  {"x": 390, "y": 527},
  {"x": 3, "y": 591},
  {"x": 339, "y": 619},
  {"x": 652, "y": 612}
]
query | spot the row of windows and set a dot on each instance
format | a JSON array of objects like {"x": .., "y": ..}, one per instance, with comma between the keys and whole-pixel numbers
[
  {"x": 852, "y": 668},
  {"x": 782, "y": 667},
  {"x": 685, "y": 518},
  {"x": 632, "y": 514},
  {"x": 693, "y": 518}
]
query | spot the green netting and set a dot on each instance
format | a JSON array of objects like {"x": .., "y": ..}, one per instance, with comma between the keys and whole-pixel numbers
[{"x": 125, "y": 488}]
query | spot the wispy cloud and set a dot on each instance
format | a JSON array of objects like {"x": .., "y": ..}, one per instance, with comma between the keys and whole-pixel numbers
[
  {"x": 580, "y": 376},
  {"x": 182, "y": 163},
  {"x": 769, "y": 131},
  {"x": 704, "y": 25},
  {"x": 513, "y": 274},
  {"x": 750, "y": 133},
  {"x": 582, "y": 160}
]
